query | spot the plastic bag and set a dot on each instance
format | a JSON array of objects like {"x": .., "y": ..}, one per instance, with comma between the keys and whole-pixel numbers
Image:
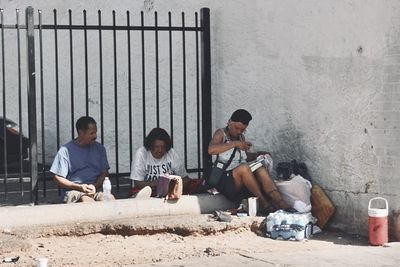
[{"x": 296, "y": 192}]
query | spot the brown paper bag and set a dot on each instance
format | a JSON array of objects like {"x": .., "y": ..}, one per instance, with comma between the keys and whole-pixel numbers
[{"x": 322, "y": 206}]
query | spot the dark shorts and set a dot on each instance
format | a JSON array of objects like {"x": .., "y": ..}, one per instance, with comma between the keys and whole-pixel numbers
[{"x": 227, "y": 187}]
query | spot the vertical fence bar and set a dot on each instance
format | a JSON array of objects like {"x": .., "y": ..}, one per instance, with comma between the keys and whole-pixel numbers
[
  {"x": 101, "y": 78},
  {"x": 184, "y": 88},
  {"x": 130, "y": 94},
  {"x": 57, "y": 79},
  {"x": 171, "y": 85},
  {"x": 205, "y": 84},
  {"x": 71, "y": 70},
  {"x": 128, "y": 32},
  {"x": 143, "y": 77},
  {"x": 57, "y": 83},
  {"x": 3, "y": 67},
  {"x": 157, "y": 74},
  {"x": 21, "y": 158},
  {"x": 197, "y": 94},
  {"x": 32, "y": 103},
  {"x": 116, "y": 100},
  {"x": 86, "y": 62},
  {"x": 42, "y": 103}
]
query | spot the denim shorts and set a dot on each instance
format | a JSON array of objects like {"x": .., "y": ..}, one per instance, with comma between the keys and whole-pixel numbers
[{"x": 226, "y": 186}]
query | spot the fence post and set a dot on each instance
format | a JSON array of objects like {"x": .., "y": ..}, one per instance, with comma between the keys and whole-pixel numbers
[
  {"x": 32, "y": 104},
  {"x": 205, "y": 84}
]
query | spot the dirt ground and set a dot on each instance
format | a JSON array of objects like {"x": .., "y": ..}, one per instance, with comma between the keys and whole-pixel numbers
[{"x": 151, "y": 240}]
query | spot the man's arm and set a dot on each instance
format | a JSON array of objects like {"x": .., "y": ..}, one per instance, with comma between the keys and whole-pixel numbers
[
  {"x": 67, "y": 184},
  {"x": 100, "y": 179}
]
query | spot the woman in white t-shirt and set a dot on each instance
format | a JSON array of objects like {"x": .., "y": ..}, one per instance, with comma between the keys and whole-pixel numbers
[{"x": 155, "y": 158}]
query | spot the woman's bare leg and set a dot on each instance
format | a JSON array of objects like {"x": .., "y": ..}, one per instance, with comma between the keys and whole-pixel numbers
[
  {"x": 269, "y": 188},
  {"x": 242, "y": 176}
]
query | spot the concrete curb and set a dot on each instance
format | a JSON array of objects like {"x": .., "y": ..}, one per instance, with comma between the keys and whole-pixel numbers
[{"x": 18, "y": 216}]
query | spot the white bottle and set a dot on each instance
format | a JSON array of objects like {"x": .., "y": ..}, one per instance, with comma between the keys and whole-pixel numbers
[{"x": 106, "y": 189}]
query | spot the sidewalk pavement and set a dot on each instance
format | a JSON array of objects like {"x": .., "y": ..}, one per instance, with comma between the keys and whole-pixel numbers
[
  {"x": 186, "y": 217},
  {"x": 329, "y": 248},
  {"x": 331, "y": 256}
]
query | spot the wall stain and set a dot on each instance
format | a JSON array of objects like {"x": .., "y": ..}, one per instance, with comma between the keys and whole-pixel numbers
[
  {"x": 360, "y": 50},
  {"x": 368, "y": 186},
  {"x": 148, "y": 5},
  {"x": 92, "y": 101}
]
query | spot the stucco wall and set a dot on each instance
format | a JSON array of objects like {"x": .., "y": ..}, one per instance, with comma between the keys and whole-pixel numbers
[{"x": 321, "y": 79}]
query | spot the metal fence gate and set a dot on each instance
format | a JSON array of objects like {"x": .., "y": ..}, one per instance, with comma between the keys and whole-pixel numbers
[{"x": 131, "y": 77}]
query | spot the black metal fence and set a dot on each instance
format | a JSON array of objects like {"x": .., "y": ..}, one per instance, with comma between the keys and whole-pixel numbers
[{"x": 129, "y": 77}]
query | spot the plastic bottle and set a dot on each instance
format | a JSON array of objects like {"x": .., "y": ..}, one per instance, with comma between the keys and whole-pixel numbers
[{"x": 107, "y": 189}]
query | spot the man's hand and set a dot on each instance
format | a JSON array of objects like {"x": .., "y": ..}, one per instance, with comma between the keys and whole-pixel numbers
[{"x": 88, "y": 189}]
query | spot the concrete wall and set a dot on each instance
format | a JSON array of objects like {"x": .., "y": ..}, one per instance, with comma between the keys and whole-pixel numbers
[{"x": 321, "y": 79}]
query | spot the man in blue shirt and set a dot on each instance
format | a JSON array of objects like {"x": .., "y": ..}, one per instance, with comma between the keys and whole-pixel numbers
[{"x": 81, "y": 165}]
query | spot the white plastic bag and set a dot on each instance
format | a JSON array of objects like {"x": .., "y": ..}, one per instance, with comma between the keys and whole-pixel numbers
[{"x": 296, "y": 192}]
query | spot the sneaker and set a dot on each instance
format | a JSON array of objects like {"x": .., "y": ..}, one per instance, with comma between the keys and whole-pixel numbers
[{"x": 145, "y": 192}]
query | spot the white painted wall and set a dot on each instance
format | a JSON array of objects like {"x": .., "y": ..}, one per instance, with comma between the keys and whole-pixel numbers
[{"x": 321, "y": 79}]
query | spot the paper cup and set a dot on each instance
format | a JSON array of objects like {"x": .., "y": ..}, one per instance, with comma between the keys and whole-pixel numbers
[
  {"x": 252, "y": 201},
  {"x": 42, "y": 262}
]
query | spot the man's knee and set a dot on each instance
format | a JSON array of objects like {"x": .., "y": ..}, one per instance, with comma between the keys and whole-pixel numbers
[{"x": 86, "y": 199}]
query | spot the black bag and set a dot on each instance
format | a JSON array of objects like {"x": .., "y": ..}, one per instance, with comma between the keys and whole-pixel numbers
[
  {"x": 217, "y": 170},
  {"x": 285, "y": 169}
]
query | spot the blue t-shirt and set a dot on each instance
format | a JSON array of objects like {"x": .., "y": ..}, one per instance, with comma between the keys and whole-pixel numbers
[{"x": 80, "y": 164}]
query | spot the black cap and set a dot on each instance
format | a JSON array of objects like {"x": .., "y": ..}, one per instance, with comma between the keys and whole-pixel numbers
[{"x": 241, "y": 115}]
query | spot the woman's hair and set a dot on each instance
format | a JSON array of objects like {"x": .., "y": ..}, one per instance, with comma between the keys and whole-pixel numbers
[
  {"x": 241, "y": 115},
  {"x": 157, "y": 134}
]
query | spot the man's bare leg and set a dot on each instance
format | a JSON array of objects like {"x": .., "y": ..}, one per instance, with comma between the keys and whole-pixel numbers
[{"x": 86, "y": 199}]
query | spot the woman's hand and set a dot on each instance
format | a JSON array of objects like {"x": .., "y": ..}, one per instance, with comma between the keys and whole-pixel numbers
[
  {"x": 262, "y": 153},
  {"x": 243, "y": 145}
]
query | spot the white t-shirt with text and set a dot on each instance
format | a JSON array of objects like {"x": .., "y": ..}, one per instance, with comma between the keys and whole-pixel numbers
[{"x": 145, "y": 167}]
